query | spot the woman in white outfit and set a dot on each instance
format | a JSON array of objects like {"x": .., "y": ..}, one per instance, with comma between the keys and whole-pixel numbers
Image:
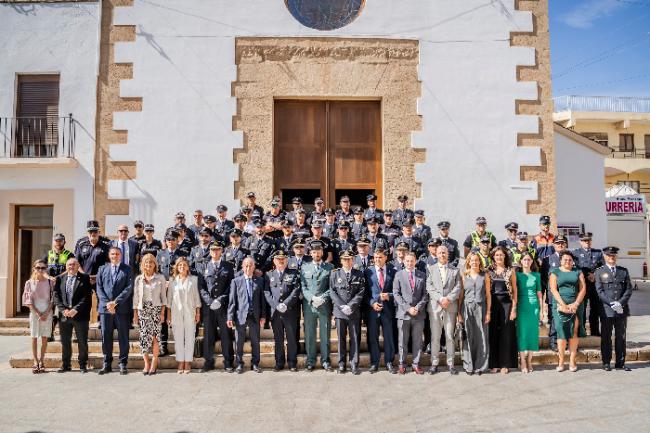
[
  {"x": 183, "y": 306},
  {"x": 38, "y": 297}
]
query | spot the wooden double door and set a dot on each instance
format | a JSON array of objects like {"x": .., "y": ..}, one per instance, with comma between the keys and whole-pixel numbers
[{"x": 327, "y": 149}]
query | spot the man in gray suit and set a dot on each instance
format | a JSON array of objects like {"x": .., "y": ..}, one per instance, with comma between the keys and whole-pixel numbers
[
  {"x": 443, "y": 287},
  {"x": 246, "y": 309},
  {"x": 409, "y": 291}
]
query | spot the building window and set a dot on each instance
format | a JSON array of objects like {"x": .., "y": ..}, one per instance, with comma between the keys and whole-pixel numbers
[
  {"x": 634, "y": 184},
  {"x": 626, "y": 143},
  {"x": 598, "y": 137},
  {"x": 37, "y": 121}
]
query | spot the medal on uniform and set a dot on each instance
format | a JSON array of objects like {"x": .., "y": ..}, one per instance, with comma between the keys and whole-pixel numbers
[
  {"x": 272, "y": 279},
  {"x": 339, "y": 280},
  {"x": 207, "y": 272},
  {"x": 287, "y": 278}
]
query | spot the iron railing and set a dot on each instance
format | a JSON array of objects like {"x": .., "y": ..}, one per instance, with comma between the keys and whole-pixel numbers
[
  {"x": 617, "y": 104},
  {"x": 38, "y": 137},
  {"x": 634, "y": 154}
]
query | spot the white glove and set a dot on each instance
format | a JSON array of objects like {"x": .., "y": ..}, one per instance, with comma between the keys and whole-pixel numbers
[
  {"x": 215, "y": 305},
  {"x": 346, "y": 309},
  {"x": 616, "y": 306},
  {"x": 317, "y": 301},
  {"x": 282, "y": 308}
]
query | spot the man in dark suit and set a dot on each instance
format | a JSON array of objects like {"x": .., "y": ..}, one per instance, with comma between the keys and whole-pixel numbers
[
  {"x": 614, "y": 290},
  {"x": 73, "y": 298},
  {"x": 246, "y": 309},
  {"x": 282, "y": 293},
  {"x": 379, "y": 291},
  {"x": 114, "y": 291},
  {"x": 129, "y": 248},
  {"x": 410, "y": 293},
  {"x": 218, "y": 275}
]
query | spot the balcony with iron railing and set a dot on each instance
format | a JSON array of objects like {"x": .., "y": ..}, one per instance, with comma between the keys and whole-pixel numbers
[
  {"x": 43, "y": 137},
  {"x": 615, "y": 104},
  {"x": 631, "y": 154}
]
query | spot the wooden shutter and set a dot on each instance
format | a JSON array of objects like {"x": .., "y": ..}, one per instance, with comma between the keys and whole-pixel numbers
[{"x": 37, "y": 123}]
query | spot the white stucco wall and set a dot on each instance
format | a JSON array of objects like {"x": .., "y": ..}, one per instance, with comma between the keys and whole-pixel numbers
[
  {"x": 184, "y": 65},
  {"x": 58, "y": 38},
  {"x": 580, "y": 189}
]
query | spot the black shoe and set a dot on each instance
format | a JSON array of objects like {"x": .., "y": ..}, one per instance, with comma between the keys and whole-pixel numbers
[
  {"x": 607, "y": 367},
  {"x": 105, "y": 370},
  {"x": 278, "y": 368},
  {"x": 64, "y": 369},
  {"x": 433, "y": 369},
  {"x": 83, "y": 369},
  {"x": 229, "y": 369},
  {"x": 341, "y": 369},
  {"x": 309, "y": 368},
  {"x": 356, "y": 371},
  {"x": 327, "y": 366},
  {"x": 453, "y": 371},
  {"x": 390, "y": 368},
  {"x": 239, "y": 369},
  {"x": 553, "y": 346},
  {"x": 469, "y": 372},
  {"x": 123, "y": 370},
  {"x": 373, "y": 369},
  {"x": 256, "y": 369},
  {"x": 479, "y": 372},
  {"x": 206, "y": 368},
  {"x": 624, "y": 368}
]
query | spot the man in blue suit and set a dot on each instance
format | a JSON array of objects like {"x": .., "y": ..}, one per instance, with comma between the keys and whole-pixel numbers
[
  {"x": 246, "y": 309},
  {"x": 129, "y": 248},
  {"x": 379, "y": 286},
  {"x": 114, "y": 291}
]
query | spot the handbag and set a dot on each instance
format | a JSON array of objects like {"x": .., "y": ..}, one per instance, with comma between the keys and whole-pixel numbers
[{"x": 198, "y": 347}]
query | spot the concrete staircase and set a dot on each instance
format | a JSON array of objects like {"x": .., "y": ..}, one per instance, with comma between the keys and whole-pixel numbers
[{"x": 589, "y": 350}]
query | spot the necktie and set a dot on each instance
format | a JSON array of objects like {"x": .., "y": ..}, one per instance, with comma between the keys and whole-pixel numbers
[
  {"x": 114, "y": 273},
  {"x": 363, "y": 262},
  {"x": 249, "y": 292},
  {"x": 381, "y": 278},
  {"x": 68, "y": 288},
  {"x": 443, "y": 273},
  {"x": 411, "y": 280},
  {"x": 347, "y": 276},
  {"x": 613, "y": 269},
  {"x": 123, "y": 250}
]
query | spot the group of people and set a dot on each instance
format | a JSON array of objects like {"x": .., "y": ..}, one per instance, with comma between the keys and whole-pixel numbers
[{"x": 384, "y": 269}]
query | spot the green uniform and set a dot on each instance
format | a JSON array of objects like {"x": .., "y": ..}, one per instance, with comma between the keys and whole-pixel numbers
[{"x": 315, "y": 282}]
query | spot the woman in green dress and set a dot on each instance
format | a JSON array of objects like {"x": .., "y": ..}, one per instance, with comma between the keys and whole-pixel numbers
[
  {"x": 567, "y": 284},
  {"x": 529, "y": 312}
]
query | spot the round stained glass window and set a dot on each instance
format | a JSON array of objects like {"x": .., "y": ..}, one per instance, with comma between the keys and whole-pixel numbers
[{"x": 325, "y": 14}]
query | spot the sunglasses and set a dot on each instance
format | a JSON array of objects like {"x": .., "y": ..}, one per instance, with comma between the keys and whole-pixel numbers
[
  {"x": 40, "y": 268},
  {"x": 123, "y": 231}
]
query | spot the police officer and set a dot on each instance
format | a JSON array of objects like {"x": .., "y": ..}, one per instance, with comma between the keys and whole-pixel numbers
[
  {"x": 288, "y": 236},
  {"x": 391, "y": 230},
  {"x": 273, "y": 219},
  {"x": 282, "y": 293},
  {"x": 257, "y": 212},
  {"x": 330, "y": 226},
  {"x": 484, "y": 251},
  {"x": 244, "y": 225},
  {"x": 92, "y": 252},
  {"x": 402, "y": 213},
  {"x": 342, "y": 242},
  {"x": 358, "y": 226},
  {"x": 511, "y": 236},
  {"x": 588, "y": 260},
  {"x": 298, "y": 258},
  {"x": 614, "y": 290},
  {"x": 217, "y": 274},
  {"x": 372, "y": 211},
  {"x": 224, "y": 225},
  {"x": 420, "y": 229},
  {"x": 429, "y": 258},
  {"x": 150, "y": 245},
  {"x": 319, "y": 211},
  {"x": 344, "y": 213},
  {"x": 300, "y": 226},
  {"x": 363, "y": 260},
  {"x": 347, "y": 287},
  {"x": 521, "y": 248},
  {"x": 414, "y": 243},
  {"x": 235, "y": 253},
  {"x": 474, "y": 238},
  {"x": 377, "y": 239},
  {"x": 200, "y": 254},
  {"x": 210, "y": 221},
  {"x": 543, "y": 242},
  {"x": 451, "y": 244},
  {"x": 56, "y": 259},
  {"x": 198, "y": 223},
  {"x": 179, "y": 218},
  {"x": 261, "y": 248},
  {"x": 548, "y": 264},
  {"x": 296, "y": 203},
  {"x": 138, "y": 236},
  {"x": 317, "y": 235},
  {"x": 401, "y": 248}
]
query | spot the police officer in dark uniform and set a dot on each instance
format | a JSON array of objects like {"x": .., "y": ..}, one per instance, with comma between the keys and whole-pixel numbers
[
  {"x": 273, "y": 219},
  {"x": 588, "y": 260},
  {"x": 166, "y": 259},
  {"x": 261, "y": 248},
  {"x": 401, "y": 248},
  {"x": 402, "y": 213},
  {"x": 420, "y": 229},
  {"x": 372, "y": 211},
  {"x": 179, "y": 218},
  {"x": 150, "y": 245},
  {"x": 200, "y": 254},
  {"x": 342, "y": 242},
  {"x": 300, "y": 226},
  {"x": 198, "y": 223},
  {"x": 344, "y": 213},
  {"x": 451, "y": 244},
  {"x": 391, "y": 230},
  {"x": 235, "y": 253},
  {"x": 330, "y": 226},
  {"x": 511, "y": 239},
  {"x": 413, "y": 242},
  {"x": 430, "y": 257},
  {"x": 319, "y": 211},
  {"x": 224, "y": 225},
  {"x": 326, "y": 243},
  {"x": 241, "y": 223},
  {"x": 614, "y": 289},
  {"x": 296, "y": 203},
  {"x": 298, "y": 257},
  {"x": 103, "y": 239},
  {"x": 257, "y": 212},
  {"x": 138, "y": 236},
  {"x": 358, "y": 226},
  {"x": 185, "y": 242},
  {"x": 92, "y": 252},
  {"x": 548, "y": 264},
  {"x": 288, "y": 236},
  {"x": 282, "y": 293},
  {"x": 363, "y": 260},
  {"x": 347, "y": 288},
  {"x": 377, "y": 240}
]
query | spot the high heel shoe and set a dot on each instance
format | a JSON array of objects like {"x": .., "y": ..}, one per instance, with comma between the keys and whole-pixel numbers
[
  {"x": 573, "y": 369},
  {"x": 559, "y": 368}
]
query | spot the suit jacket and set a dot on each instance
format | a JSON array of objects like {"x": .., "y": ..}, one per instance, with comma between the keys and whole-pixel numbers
[
  {"x": 314, "y": 282},
  {"x": 405, "y": 297},
  {"x": 450, "y": 288},
  {"x": 293, "y": 262},
  {"x": 373, "y": 290},
  {"x": 238, "y": 305},
  {"x": 612, "y": 288},
  {"x": 81, "y": 296},
  {"x": 284, "y": 290},
  {"x": 119, "y": 290},
  {"x": 217, "y": 284},
  {"x": 158, "y": 292},
  {"x": 350, "y": 293},
  {"x": 133, "y": 253}
]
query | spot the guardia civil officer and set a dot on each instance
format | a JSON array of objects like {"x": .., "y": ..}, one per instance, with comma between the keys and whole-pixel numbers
[
  {"x": 614, "y": 290},
  {"x": 282, "y": 293},
  {"x": 347, "y": 286},
  {"x": 589, "y": 259},
  {"x": 511, "y": 236}
]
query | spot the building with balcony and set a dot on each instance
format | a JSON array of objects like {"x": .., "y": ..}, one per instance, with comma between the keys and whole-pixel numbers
[{"x": 622, "y": 125}]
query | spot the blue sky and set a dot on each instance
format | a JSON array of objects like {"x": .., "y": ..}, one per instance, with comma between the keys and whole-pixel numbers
[{"x": 600, "y": 47}]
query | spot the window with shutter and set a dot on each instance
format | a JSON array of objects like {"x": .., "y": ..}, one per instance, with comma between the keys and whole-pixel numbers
[{"x": 37, "y": 116}]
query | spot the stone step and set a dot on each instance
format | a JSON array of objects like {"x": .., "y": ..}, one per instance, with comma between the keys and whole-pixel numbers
[
  {"x": 267, "y": 360},
  {"x": 15, "y": 322}
]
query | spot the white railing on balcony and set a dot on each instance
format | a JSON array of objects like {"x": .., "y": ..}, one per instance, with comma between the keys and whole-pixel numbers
[
  {"x": 617, "y": 104},
  {"x": 37, "y": 137}
]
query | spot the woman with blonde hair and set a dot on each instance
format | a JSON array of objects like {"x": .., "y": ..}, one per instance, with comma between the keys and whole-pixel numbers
[
  {"x": 183, "y": 312},
  {"x": 474, "y": 313},
  {"x": 38, "y": 296},
  {"x": 149, "y": 301}
]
